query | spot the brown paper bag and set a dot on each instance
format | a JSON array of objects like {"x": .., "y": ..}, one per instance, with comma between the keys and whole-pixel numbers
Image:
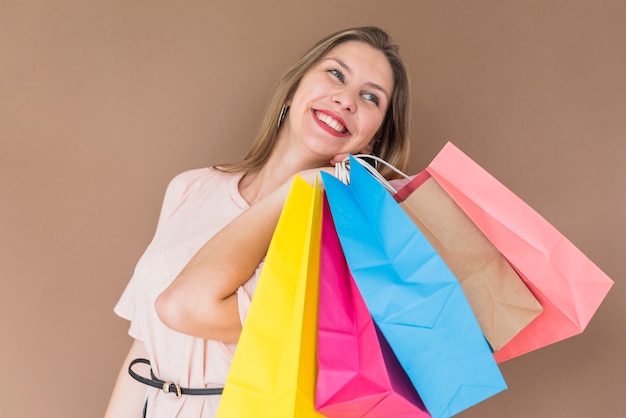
[{"x": 502, "y": 303}]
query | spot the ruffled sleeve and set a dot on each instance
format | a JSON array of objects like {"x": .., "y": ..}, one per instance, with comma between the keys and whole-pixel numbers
[{"x": 174, "y": 197}]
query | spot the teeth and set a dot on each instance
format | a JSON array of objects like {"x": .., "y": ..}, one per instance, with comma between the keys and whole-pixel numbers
[{"x": 328, "y": 120}]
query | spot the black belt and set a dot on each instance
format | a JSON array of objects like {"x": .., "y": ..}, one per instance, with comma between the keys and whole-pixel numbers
[{"x": 168, "y": 387}]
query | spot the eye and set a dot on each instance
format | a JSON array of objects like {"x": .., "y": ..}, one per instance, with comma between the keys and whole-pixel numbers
[
  {"x": 371, "y": 97},
  {"x": 337, "y": 74}
]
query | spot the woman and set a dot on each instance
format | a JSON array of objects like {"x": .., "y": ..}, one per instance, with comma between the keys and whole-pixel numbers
[{"x": 192, "y": 287}]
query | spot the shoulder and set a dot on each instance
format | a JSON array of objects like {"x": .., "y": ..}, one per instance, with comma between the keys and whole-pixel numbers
[
  {"x": 203, "y": 180},
  {"x": 199, "y": 176},
  {"x": 205, "y": 185}
]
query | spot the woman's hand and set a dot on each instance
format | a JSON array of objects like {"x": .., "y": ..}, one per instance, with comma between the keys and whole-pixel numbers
[{"x": 338, "y": 158}]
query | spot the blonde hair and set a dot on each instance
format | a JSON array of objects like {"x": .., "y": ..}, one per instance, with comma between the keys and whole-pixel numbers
[{"x": 391, "y": 143}]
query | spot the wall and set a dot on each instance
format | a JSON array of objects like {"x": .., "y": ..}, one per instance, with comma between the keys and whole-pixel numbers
[{"x": 102, "y": 102}]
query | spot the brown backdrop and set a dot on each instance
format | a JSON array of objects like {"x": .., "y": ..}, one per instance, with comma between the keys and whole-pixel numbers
[{"x": 102, "y": 102}]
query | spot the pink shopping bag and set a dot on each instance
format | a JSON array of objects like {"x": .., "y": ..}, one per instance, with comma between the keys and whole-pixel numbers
[
  {"x": 568, "y": 285},
  {"x": 358, "y": 374}
]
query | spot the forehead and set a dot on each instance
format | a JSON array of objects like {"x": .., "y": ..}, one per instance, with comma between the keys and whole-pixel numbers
[{"x": 364, "y": 61}]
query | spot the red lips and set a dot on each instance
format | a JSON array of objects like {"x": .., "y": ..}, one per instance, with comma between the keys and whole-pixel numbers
[{"x": 329, "y": 118}]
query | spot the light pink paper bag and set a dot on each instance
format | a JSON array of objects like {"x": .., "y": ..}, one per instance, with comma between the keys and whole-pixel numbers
[{"x": 569, "y": 286}]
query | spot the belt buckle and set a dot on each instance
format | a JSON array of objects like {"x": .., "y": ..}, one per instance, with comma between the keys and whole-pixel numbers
[{"x": 166, "y": 389}]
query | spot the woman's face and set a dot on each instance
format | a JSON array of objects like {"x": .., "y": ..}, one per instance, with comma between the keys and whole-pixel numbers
[{"x": 342, "y": 101}]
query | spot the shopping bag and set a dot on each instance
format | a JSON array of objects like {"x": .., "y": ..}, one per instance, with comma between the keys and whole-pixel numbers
[
  {"x": 358, "y": 374},
  {"x": 412, "y": 296},
  {"x": 569, "y": 286},
  {"x": 502, "y": 303},
  {"x": 274, "y": 367}
]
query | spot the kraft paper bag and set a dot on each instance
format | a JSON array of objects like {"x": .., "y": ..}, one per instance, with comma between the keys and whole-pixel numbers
[
  {"x": 274, "y": 368},
  {"x": 358, "y": 374},
  {"x": 569, "y": 286},
  {"x": 502, "y": 303},
  {"x": 413, "y": 297}
]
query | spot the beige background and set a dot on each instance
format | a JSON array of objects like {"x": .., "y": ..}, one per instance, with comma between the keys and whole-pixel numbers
[{"x": 102, "y": 102}]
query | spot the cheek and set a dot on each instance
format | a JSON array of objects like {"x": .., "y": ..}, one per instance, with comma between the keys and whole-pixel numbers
[
  {"x": 310, "y": 88},
  {"x": 372, "y": 124}
]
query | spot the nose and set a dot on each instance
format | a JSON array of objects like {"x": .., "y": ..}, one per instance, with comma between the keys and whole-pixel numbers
[{"x": 346, "y": 99}]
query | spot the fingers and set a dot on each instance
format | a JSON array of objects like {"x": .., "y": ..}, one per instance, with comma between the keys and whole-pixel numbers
[{"x": 338, "y": 158}]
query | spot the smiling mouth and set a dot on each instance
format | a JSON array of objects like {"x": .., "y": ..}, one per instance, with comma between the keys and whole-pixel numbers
[{"x": 331, "y": 122}]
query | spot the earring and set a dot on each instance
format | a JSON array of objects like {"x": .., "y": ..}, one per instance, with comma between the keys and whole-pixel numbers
[{"x": 281, "y": 116}]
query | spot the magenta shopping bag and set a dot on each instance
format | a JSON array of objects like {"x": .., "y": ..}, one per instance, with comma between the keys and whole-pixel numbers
[{"x": 358, "y": 374}]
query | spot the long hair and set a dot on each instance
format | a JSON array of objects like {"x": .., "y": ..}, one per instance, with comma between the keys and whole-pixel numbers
[{"x": 392, "y": 138}]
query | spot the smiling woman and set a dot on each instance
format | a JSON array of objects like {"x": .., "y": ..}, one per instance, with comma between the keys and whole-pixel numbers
[
  {"x": 192, "y": 287},
  {"x": 344, "y": 96},
  {"x": 392, "y": 137}
]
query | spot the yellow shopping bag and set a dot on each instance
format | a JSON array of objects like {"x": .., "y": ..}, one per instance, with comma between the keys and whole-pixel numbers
[{"x": 274, "y": 368}]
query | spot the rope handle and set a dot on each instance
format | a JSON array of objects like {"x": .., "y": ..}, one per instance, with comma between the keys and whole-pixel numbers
[{"x": 342, "y": 170}]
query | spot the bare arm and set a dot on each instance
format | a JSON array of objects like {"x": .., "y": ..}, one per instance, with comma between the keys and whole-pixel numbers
[
  {"x": 202, "y": 301},
  {"x": 128, "y": 395}
]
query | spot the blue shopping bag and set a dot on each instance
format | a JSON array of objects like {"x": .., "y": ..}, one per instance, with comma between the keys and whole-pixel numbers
[{"x": 413, "y": 297}]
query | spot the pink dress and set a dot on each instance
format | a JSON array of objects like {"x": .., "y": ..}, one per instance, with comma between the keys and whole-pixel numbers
[{"x": 198, "y": 203}]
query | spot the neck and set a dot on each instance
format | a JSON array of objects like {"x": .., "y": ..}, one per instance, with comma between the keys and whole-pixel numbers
[
  {"x": 284, "y": 162},
  {"x": 255, "y": 185}
]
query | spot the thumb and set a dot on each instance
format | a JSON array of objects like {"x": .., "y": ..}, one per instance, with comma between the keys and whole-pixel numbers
[{"x": 338, "y": 158}]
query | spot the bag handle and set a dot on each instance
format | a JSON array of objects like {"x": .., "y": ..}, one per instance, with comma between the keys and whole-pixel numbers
[{"x": 342, "y": 170}]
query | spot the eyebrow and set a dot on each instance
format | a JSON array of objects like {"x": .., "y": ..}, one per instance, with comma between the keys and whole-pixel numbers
[{"x": 369, "y": 83}]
